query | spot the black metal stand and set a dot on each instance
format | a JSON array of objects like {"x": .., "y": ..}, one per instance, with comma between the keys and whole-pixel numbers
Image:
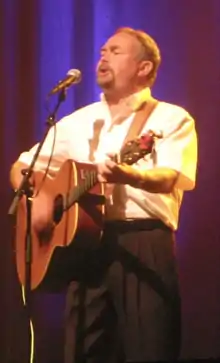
[{"x": 26, "y": 189}]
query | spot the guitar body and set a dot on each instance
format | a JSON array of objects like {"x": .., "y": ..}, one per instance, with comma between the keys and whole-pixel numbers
[{"x": 51, "y": 227}]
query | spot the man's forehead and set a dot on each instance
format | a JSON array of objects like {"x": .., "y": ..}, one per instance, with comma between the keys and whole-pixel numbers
[{"x": 122, "y": 39}]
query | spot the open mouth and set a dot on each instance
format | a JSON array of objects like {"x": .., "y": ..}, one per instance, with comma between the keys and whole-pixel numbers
[{"x": 103, "y": 70}]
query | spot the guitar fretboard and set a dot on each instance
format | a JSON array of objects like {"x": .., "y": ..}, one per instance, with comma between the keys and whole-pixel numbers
[{"x": 78, "y": 191}]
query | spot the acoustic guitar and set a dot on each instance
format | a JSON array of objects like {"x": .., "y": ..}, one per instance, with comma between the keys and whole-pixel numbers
[{"x": 67, "y": 209}]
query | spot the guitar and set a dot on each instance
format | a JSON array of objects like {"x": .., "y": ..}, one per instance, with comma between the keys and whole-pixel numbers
[{"x": 67, "y": 210}]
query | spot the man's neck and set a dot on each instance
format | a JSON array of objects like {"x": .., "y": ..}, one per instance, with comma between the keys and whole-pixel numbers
[
  {"x": 114, "y": 98},
  {"x": 121, "y": 105}
]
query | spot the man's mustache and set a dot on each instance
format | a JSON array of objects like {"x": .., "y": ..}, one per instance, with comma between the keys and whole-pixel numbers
[{"x": 104, "y": 67}]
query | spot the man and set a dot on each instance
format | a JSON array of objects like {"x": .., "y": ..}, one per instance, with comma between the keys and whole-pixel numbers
[{"x": 126, "y": 306}]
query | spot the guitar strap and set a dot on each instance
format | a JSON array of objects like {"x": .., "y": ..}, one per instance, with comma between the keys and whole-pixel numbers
[
  {"x": 140, "y": 118},
  {"x": 93, "y": 143}
]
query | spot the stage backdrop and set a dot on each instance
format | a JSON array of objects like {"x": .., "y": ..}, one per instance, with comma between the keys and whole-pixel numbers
[{"x": 40, "y": 40}]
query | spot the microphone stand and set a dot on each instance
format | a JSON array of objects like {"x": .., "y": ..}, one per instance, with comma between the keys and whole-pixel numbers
[{"x": 26, "y": 189}]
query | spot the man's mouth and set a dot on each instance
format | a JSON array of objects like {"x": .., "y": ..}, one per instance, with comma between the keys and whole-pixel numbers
[{"x": 103, "y": 70}]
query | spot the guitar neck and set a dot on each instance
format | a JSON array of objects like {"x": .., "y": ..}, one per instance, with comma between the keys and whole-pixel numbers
[{"x": 78, "y": 191}]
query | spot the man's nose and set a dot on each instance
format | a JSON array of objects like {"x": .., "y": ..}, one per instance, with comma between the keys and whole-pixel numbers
[{"x": 104, "y": 57}]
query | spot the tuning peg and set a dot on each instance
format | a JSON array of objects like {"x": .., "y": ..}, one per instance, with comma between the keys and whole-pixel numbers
[{"x": 158, "y": 134}]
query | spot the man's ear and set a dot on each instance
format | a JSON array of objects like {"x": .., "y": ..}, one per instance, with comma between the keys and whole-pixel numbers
[{"x": 145, "y": 67}]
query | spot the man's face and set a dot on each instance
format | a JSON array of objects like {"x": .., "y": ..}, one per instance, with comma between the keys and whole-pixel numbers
[{"x": 118, "y": 66}]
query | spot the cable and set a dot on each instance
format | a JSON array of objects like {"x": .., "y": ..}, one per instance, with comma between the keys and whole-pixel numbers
[{"x": 31, "y": 328}]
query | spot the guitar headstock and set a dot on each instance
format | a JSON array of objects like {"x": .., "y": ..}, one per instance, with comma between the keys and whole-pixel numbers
[{"x": 137, "y": 148}]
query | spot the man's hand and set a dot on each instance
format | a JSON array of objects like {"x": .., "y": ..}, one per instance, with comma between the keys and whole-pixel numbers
[
  {"x": 16, "y": 174},
  {"x": 111, "y": 172}
]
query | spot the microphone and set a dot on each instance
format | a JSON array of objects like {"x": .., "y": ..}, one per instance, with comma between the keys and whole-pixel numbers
[{"x": 73, "y": 76}]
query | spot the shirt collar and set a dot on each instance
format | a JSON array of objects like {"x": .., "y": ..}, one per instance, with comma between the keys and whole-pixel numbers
[{"x": 136, "y": 100}]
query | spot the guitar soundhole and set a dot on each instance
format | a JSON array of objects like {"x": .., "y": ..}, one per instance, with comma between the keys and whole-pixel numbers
[{"x": 58, "y": 209}]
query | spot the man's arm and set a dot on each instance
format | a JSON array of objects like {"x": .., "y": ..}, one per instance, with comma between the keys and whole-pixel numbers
[
  {"x": 176, "y": 159},
  {"x": 55, "y": 149},
  {"x": 158, "y": 180}
]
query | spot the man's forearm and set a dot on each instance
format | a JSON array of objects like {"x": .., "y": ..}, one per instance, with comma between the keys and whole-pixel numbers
[{"x": 158, "y": 180}]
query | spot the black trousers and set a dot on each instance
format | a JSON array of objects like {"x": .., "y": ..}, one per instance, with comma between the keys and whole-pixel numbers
[{"x": 125, "y": 306}]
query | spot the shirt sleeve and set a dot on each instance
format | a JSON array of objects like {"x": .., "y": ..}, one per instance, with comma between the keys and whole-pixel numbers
[
  {"x": 55, "y": 146},
  {"x": 178, "y": 150}
]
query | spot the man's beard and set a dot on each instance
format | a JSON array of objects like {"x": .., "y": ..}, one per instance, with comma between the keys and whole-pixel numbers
[
  {"x": 105, "y": 84},
  {"x": 103, "y": 79}
]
